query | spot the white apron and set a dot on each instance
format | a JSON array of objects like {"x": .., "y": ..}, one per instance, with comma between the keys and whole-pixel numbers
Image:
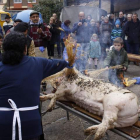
[{"x": 16, "y": 117}]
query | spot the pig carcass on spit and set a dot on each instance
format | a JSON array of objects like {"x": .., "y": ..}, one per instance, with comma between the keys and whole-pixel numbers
[{"x": 119, "y": 107}]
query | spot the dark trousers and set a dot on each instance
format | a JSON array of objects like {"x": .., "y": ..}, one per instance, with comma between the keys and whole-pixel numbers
[
  {"x": 133, "y": 48},
  {"x": 58, "y": 44},
  {"x": 63, "y": 45},
  {"x": 50, "y": 48},
  {"x": 126, "y": 46}
]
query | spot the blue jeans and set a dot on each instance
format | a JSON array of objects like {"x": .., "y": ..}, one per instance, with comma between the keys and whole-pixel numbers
[
  {"x": 84, "y": 50},
  {"x": 133, "y": 48}
]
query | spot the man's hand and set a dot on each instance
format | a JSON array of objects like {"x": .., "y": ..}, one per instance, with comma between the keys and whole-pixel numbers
[
  {"x": 49, "y": 26},
  {"x": 107, "y": 67},
  {"x": 39, "y": 30},
  {"x": 80, "y": 24},
  {"x": 124, "y": 68}
]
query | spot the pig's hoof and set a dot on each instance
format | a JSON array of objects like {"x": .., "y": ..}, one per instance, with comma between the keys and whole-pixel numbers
[
  {"x": 91, "y": 130},
  {"x": 100, "y": 132},
  {"x": 49, "y": 109}
]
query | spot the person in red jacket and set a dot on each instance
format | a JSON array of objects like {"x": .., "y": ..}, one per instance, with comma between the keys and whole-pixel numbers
[{"x": 40, "y": 33}]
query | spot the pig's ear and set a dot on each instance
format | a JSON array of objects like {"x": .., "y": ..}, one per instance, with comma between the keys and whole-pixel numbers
[{"x": 54, "y": 76}]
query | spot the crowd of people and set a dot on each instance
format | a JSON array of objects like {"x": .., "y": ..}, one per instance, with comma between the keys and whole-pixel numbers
[
  {"x": 45, "y": 36},
  {"x": 94, "y": 37}
]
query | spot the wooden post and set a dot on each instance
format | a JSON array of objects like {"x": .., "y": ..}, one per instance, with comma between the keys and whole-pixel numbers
[
  {"x": 9, "y": 4},
  {"x": 112, "y": 6},
  {"x": 100, "y": 3}
]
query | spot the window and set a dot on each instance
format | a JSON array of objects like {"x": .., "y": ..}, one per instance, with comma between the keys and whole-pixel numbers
[
  {"x": 31, "y": 1},
  {"x": 3, "y": 17},
  {"x": 17, "y": 1}
]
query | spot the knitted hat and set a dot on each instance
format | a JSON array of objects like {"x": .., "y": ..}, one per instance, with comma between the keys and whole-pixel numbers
[
  {"x": 21, "y": 27},
  {"x": 118, "y": 22}
]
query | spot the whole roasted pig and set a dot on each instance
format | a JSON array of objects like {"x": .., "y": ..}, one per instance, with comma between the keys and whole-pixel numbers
[{"x": 119, "y": 107}]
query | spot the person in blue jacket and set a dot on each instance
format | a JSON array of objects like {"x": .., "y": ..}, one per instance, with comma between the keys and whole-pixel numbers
[
  {"x": 20, "y": 78},
  {"x": 65, "y": 33}
]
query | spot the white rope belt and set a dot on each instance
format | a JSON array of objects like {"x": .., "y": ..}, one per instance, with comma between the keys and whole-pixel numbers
[{"x": 16, "y": 116}]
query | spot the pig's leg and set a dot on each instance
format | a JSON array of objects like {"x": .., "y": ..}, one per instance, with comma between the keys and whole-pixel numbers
[
  {"x": 107, "y": 123},
  {"x": 109, "y": 117},
  {"x": 46, "y": 97},
  {"x": 54, "y": 76},
  {"x": 61, "y": 91}
]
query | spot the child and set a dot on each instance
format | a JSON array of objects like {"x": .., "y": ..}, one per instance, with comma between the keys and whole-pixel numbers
[
  {"x": 117, "y": 31},
  {"x": 94, "y": 51},
  {"x": 1, "y": 47},
  {"x": 116, "y": 56}
]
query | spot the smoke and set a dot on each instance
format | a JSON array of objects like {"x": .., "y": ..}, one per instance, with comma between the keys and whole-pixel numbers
[
  {"x": 72, "y": 12},
  {"x": 83, "y": 36}
]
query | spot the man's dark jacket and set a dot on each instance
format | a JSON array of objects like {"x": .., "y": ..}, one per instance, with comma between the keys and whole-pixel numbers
[
  {"x": 0, "y": 56},
  {"x": 82, "y": 33},
  {"x": 132, "y": 30},
  {"x": 93, "y": 30}
]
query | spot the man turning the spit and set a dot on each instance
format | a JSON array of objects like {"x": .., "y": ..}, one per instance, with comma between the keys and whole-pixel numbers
[{"x": 39, "y": 33}]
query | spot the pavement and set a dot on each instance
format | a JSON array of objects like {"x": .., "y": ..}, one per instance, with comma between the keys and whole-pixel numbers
[{"x": 57, "y": 127}]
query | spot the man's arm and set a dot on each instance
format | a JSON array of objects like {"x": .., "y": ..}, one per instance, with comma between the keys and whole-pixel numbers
[
  {"x": 75, "y": 27},
  {"x": 126, "y": 29},
  {"x": 31, "y": 50},
  {"x": 52, "y": 66},
  {"x": 46, "y": 34},
  {"x": 65, "y": 29}
]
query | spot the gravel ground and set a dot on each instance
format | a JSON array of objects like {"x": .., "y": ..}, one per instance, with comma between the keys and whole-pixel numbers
[{"x": 57, "y": 127}]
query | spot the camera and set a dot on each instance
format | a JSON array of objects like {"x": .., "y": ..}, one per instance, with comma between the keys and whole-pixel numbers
[{"x": 83, "y": 20}]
